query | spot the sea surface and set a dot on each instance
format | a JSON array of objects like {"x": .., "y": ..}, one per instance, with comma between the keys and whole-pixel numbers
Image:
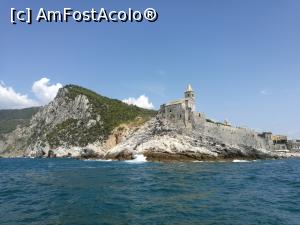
[{"x": 66, "y": 191}]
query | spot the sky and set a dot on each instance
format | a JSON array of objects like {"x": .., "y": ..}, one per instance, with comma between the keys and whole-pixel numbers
[{"x": 241, "y": 57}]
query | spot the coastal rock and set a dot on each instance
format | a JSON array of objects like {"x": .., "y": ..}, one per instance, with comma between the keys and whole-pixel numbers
[
  {"x": 51, "y": 154},
  {"x": 159, "y": 140},
  {"x": 88, "y": 153},
  {"x": 81, "y": 124},
  {"x": 78, "y": 123}
]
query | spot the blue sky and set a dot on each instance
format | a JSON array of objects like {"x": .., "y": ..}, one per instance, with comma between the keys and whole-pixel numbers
[{"x": 241, "y": 57}]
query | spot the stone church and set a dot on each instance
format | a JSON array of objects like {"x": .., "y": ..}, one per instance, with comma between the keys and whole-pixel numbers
[{"x": 181, "y": 110}]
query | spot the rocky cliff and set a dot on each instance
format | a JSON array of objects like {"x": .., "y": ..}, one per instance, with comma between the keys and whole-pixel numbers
[
  {"x": 77, "y": 123},
  {"x": 160, "y": 139},
  {"x": 80, "y": 123}
]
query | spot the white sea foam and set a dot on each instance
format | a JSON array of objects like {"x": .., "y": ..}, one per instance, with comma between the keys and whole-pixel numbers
[
  {"x": 240, "y": 160},
  {"x": 139, "y": 158},
  {"x": 98, "y": 160}
]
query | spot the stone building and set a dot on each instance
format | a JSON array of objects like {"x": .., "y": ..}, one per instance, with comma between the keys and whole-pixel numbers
[
  {"x": 279, "y": 139},
  {"x": 278, "y": 142},
  {"x": 294, "y": 145},
  {"x": 267, "y": 137},
  {"x": 182, "y": 109}
]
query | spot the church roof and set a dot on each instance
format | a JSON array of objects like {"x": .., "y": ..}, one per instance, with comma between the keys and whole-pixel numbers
[{"x": 175, "y": 102}]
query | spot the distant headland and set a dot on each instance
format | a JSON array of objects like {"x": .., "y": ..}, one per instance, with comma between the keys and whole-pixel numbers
[
  {"x": 184, "y": 111},
  {"x": 82, "y": 124}
]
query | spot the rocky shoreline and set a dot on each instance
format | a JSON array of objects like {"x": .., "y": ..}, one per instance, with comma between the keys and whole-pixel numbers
[
  {"x": 73, "y": 125},
  {"x": 159, "y": 140}
]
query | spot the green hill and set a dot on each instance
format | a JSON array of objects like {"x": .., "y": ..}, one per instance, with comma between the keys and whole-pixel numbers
[
  {"x": 76, "y": 117},
  {"x": 113, "y": 112},
  {"x": 11, "y": 118}
]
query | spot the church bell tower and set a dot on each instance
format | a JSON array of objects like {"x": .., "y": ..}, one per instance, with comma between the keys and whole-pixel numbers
[{"x": 189, "y": 96}]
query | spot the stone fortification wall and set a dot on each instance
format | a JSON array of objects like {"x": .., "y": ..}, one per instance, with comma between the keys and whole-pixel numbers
[
  {"x": 235, "y": 136},
  {"x": 198, "y": 126},
  {"x": 228, "y": 134}
]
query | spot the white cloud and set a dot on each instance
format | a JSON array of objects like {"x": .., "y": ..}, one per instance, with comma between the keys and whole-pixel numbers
[
  {"x": 142, "y": 101},
  {"x": 10, "y": 99},
  {"x": 44, "y": 91}
]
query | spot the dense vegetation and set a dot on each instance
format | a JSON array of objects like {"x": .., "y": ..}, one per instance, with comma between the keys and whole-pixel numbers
[
  {"x": 112, "y": 113},
  {"x": 11, "y": 118}
]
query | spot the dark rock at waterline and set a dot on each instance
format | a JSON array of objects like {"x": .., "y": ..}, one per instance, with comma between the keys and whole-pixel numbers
[
  {"x": 167, "y": 156},
  {"x": 88, "y": 153},
  {"x": 51, "y": 154},
  {"x": 124, "y": 155},
  {"x": 188, "y": 157}
]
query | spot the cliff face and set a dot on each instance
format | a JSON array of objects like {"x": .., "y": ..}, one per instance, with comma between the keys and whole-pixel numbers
[
  {"x": 80, "y": 123},
  {"x": 161, "y": 139},
  {"x": 77, "y": 123}
]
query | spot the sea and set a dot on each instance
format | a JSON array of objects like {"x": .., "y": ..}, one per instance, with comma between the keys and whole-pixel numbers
[{"x": 73, "y": 192}]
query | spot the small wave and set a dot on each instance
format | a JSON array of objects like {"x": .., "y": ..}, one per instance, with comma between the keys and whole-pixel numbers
[
  {"x": 240, "y": 160},
  {"x": 97, "y": 160},
  {"x": 139, "y": 158}
]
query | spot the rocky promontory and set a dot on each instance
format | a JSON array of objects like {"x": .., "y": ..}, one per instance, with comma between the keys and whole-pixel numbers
[
  {"x": 159, "y": 140},
  {"x": 79, "y": 123}
]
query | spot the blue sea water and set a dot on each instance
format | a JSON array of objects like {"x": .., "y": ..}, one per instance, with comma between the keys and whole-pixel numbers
[{"x": 66, "y": 191}]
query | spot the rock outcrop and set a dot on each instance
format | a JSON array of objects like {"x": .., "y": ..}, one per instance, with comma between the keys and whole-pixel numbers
[
  {"x": 79, "y": 123},
  {"x": 160, "y": 140}
]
